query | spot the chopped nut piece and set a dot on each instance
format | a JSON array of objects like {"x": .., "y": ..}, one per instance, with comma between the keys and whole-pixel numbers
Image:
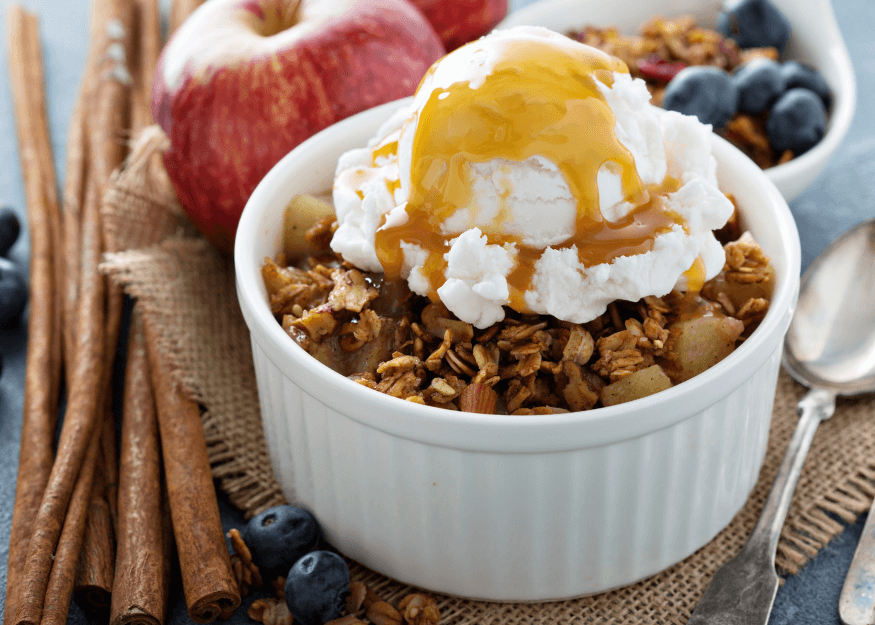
[
  {"x": 383, "y": 613},
  {"x": 355, "y": 335},
  {"x": 419, "y": 609},
  {"x": 360, "y": 595},
  {"x": 479, "y": 398},
  {"x": 318, "y": 322},
  {"x": 270, "y": 611},
  {"x": 246, "y": 572},
  {"x": 357, "y": 593},
  {"x": 578, "y": 392},
  {"x": 351, "y": 291}
]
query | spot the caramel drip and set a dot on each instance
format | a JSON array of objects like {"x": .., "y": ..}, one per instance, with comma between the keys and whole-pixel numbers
[
  {"x": 388, "y": 147},
  {"x": 539, "y": 99},
  {"x": 695, "y": 275}
]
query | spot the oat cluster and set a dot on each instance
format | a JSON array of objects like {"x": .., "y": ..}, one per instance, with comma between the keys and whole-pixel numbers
[{"x": 388, "y": 339}]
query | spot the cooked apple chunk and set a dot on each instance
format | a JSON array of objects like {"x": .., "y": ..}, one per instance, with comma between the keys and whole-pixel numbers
[
  {"x": 701, "y": 342},
  {"x": 636, "y": 385}
]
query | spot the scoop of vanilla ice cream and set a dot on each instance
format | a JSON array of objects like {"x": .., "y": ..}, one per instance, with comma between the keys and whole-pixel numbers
[{"x": 531, "y": 203}]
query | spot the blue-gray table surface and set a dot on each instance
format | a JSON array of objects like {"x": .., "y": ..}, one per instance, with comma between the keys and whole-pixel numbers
[{"x": 843, "y": 195}]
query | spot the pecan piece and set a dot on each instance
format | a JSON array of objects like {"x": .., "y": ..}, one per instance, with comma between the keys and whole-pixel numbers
[
  {"x": 246, "y": 572},
  {"x": 383, "y": 613},
  {"x": 270, "y": 611},
  {"x": 479, "y": 398},
  {"x": 419, "y": 609}
]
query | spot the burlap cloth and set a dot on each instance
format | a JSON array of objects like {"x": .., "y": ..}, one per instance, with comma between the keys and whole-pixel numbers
[{"x": 187, "y": 289}]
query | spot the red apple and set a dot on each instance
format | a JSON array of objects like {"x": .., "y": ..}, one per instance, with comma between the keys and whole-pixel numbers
[
  {"x": 460, "y": 21},
  {"x": 242, "y": 82}
]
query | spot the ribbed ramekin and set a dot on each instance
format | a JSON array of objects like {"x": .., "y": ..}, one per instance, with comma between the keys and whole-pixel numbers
[{"x": 509, "y": 508}]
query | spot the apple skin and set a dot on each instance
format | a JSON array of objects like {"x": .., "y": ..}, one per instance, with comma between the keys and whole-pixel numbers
[
  {"x": 459, "y": 21},
  {"x": 237, "y": 87}
]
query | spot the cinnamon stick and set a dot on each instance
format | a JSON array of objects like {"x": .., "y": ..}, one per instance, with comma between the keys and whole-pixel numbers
[
  {"x": 37, "y": 97},
  {"x": 74, "y": 197},
  {"x": 94, "y": 575},
  {"x": 43, "y": 362},
  {"x": 179, "y": 12},
  {"x": 109, "y": 453},
  {"x": 111, "y": 82},
  {"x": 78, "y": 149},
  {"x": 79, "y": 421},
  {"x": 109, "y": 126},
  {"x": 208, "y": 580},
  {"x": 139, "y": 595},
  {"x": 63, "y": 574},
  {"x": 147, "y": 50},
  {"x": 113, "y": 116}
]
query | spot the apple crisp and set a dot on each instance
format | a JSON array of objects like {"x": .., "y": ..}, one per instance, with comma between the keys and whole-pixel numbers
[{"x": 381, "y": 335}]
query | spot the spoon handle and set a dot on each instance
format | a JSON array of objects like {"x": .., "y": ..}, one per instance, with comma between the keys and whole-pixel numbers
[
  {"x": 817, "y": 405},
  {"x": 743, "y": 590}
]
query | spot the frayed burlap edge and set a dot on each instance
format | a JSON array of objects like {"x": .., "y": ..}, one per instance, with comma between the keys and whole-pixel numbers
[
  {"x": 142, "y": 219},
  {"x": 837, "y": 483},
  {"x": 838, "y": 479}
]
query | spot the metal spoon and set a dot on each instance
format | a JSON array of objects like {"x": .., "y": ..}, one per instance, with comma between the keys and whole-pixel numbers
[{"x": 829, "y": 348}]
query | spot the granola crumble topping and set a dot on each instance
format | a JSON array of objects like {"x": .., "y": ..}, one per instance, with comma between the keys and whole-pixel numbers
[{"x": 385, "y": 338}]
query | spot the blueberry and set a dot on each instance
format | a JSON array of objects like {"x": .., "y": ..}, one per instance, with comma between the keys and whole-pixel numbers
[
  {"x": 754, "y": 24},
  {"x": 706, "y": 92},
  {"x": 317, "y": 587},
  {"x": 279, "y": 536},
  {"x": 798, "y": 75},
  {"x": 759, "y": 83},
  {"x": 13, "y": 293},
  {"x": 10, "y": 227},
  {"x": 797, "y": 121}
]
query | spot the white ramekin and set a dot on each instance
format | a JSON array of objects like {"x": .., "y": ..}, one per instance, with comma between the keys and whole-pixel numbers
[
  {"x": 815, "y": 40},
  {"x": 507, "y": 508}
]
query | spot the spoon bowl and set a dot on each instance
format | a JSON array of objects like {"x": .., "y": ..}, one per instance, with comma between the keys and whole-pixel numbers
[
  {"x": 831, "y": 340},
  {"x": 829, "y": 347}
]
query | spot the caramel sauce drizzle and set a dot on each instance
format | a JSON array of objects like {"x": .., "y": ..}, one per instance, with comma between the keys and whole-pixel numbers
[{"x": 539, "y": 99}]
